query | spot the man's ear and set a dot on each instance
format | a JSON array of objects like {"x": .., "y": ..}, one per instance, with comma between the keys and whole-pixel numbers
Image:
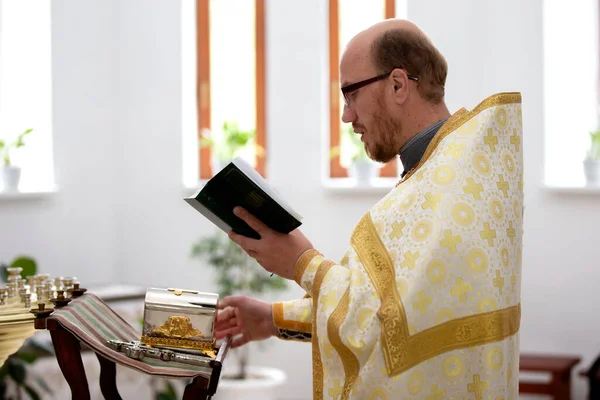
[{"x": 400, "y": 86}]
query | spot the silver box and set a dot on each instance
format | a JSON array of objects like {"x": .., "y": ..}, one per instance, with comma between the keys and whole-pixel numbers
[{"x": 179, "y": 319}]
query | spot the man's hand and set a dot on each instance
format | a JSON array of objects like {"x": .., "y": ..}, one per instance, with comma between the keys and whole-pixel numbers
[
  {"x": 251, "y": 318},
  {"x": 276, "y": 252}
]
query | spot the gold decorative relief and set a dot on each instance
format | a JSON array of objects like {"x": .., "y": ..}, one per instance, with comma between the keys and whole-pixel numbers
[
  {"x": 177, "y": 327},
  {"x": 178, "y": 343}
]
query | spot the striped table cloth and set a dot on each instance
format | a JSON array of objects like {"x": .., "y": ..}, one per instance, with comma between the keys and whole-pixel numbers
[{"x": 93, "y": 322}]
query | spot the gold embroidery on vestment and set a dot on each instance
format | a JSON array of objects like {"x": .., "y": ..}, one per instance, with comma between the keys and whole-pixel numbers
[
  {"x": 316, "y": 354},
  {"x": 282, "y": 323},
  {"x": 349, "y": 360},
  {"x": 458, "y": 119},
  {"x": 302, "y": 263},
  {"x": 402, "y": 351}
]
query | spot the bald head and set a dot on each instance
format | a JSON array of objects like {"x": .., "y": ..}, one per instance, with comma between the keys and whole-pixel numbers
[
  {"x": 398, "y": 43},
  {"x": 364, "y": 39}
]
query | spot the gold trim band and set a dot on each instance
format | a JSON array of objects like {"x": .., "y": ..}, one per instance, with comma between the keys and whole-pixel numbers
[
  {"x": 280, "y": 322},
  {"x": 402, "y": 351},
  {"x": 302, "y": 263},
  {"x": 316, "y": 354},
  {"x": 349, "y": 360},
  {"x": 458, "y": 119},
  {"x": 177, "y": 343}
]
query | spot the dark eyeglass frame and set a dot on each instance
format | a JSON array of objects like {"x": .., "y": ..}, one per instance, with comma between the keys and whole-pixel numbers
[{"x": 357, "y": 85}]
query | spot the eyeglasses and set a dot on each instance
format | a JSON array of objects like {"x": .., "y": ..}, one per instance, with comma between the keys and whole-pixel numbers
[{"x": 355, "y": 86}]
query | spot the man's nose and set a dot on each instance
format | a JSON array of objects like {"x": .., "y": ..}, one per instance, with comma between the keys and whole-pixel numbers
[{"x": 348, "y": 115}]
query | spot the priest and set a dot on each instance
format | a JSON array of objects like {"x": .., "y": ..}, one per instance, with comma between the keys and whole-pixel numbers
[{"x": 425, "y": 303}]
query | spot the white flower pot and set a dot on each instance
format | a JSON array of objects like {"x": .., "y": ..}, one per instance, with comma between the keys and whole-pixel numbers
[
  {"x": 11, "y": 176},
  {"x": 592, "y": 171},
  {"x": 262, "y": 383},
  {"x": 363, "y": 171}
]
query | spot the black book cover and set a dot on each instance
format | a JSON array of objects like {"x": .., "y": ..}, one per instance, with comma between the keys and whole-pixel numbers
[{"x": 238, "y": 184}]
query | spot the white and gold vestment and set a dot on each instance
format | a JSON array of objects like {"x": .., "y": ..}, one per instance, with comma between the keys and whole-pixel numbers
[{"x": 425, "y": 304}]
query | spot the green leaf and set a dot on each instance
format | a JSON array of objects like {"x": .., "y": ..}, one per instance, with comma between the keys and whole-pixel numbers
[
  {"x": 4, "y": 369},
  {"x": 38, "y": 347},
  {"x": 208, "y": 142},
  {"x": 19, "y": 142},
  {"x": 231, "y": 140},
  {"x": 26, "y": 356},
  {"x": 31, "y": 392},
  {"x": 171, "y": 390},
  {"x": 4, "y": 272},
  {"x": 17, "y": 370},
  {"x": 27, "y": 263}
]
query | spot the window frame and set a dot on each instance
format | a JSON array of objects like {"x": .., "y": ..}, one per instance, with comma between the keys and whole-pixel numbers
[
  {"x": 203, "y": 85},
  {"x": 336, "y": 170}
]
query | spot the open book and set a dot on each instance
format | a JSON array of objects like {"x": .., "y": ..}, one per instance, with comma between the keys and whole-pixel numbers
[{"x": 238, "y": 184}]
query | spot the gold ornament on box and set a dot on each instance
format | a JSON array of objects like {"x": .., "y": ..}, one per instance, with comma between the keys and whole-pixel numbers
[{"x": 180, "y": 319}]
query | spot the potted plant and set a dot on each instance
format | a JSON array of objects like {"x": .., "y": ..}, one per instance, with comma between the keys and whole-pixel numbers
[
  {"x": 229, "y": 142},
  {"x": 362, "y": 168},
  {"x": 11, "y": 174},
  {"x": 591, "y": 164},
  {"x": 16, "y": 375},
  {"x": 238, "y": 273}
]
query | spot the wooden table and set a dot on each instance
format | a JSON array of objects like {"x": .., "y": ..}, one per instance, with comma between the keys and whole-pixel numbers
[
  {"x": 68, "y": 349},
  {"x": 560, "y": 368}
]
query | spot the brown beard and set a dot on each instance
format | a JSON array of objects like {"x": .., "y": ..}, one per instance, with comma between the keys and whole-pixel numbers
[{"x": 383, "y": 146}]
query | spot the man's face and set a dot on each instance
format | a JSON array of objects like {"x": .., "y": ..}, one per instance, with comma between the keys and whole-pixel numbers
[{"x": 369, "y": 109}]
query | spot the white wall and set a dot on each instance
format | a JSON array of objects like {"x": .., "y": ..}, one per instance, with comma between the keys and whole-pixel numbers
[
  {"x": 119, "y": 214},
  {"x": 74, "y": 231}
]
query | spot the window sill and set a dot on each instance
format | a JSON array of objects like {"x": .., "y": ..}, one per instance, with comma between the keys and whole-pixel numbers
[
  {"x": 579, "y": 189},
  {"x": 349, "y": 185},
  {"x": 27, "y": 194}
]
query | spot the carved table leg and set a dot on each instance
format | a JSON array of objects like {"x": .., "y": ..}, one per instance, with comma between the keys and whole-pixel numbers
[
  {"x": 68, "y": 355},
  {"x": 197, "y": 390},
  {"x": 108, "y": 379}
]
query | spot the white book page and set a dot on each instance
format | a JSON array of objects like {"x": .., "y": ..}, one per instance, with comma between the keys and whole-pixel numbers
[{"x": 262, "y": 183}]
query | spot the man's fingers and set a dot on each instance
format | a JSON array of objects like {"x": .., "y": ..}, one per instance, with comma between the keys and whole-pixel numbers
[
  {"x": 230, "y": 301},
  {"x": 246, "y": 243},
  {"x": 251, "y": 220},
  {"x": 224, "y": 315},
  {"x": 225, "y": 323},
  {"x": 240, "y": 341},
  {"x": 220, "y": 334}
]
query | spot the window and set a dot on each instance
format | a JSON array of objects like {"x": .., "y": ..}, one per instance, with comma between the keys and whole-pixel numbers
[
  {"x": 570, "y": 88},
  {"x": 223, "y": 83},
  {"x": 346, "y": 19},
  {"x": 26, "y": 88}
]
